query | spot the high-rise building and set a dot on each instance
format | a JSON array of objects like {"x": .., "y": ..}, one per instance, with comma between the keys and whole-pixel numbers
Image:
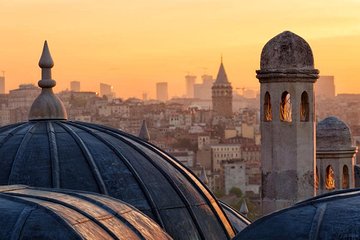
[
  {"x": 325, "y": 87},
  {"x": 2, "y": 84},
  {"x": 287, "y": 76},
  {"x": 162, "y": 91},
  {"x": 75, "y": 86},
  {"x": 222, "y": 94},
  {"x": 203, "y": 90},
  {"x": 190, "y": 81},
  {"x": 107, "y": 91}
]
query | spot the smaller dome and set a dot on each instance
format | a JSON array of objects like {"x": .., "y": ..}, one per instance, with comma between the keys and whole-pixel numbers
[
  {"x": 38, "y": 213},
  {"x": 333, "y": 134},
  {"x": 287, "y": 51},
  {"x": 329, "y": 216}
]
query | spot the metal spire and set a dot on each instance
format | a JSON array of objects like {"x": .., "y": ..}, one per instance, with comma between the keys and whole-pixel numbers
[{"x": 47, "y": 105}]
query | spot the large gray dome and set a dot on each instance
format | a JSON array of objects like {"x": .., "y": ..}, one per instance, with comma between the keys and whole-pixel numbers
[
  {"x": 333, "y": 134},
  {"x": 286, "y": 51},
  {"x": 329, "y": 216},
  {"x": 89, "y": 157},
  {"x": 33, "y": 213}
]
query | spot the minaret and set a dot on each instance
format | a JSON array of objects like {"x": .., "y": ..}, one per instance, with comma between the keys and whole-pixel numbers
[
  {"x": 144, "y": 133},
  {"x": 47, "y": 105},
  {"x": 222, "y": 94},
  {"x": 287, "y": 110}
]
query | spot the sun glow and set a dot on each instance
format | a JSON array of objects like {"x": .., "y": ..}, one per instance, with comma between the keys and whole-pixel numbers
[{"x": 132, "y": 45}]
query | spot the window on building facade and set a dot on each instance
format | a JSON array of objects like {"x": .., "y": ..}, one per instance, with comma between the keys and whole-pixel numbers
[
  {"x": 285, "y": 107},
  {"x": 345, "y": 178},
  {"x": 267, "y": 108},
  {"x": 330, "y": 178},
  {"x": 304, "y": 107}
]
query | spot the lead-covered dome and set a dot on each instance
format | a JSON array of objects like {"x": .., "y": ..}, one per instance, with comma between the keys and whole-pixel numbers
[
  {"x": 329, "y": 216},
  {"x": 50, "y": 152},
  {"x": 89, "y": 157},
  {"x": 333, "y": 134},
  {"x": 36, "y": 213},
  {"x": 286, "y": 51}
]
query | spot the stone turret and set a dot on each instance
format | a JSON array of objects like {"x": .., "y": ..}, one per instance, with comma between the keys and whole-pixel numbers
[
  {"x": 287, "y": 76},
  {"x": 335, "y": 156}
]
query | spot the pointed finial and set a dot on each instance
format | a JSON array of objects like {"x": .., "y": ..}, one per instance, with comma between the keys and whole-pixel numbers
[
  {"x": 47, "y": 105},
  {"x": 203, "y": 177},
  {"x": 244, "y": 209},
  {"x": 46, "y": 60},
  {"x": 144, "y": 133},
  {"x": 221, "y": 58}
]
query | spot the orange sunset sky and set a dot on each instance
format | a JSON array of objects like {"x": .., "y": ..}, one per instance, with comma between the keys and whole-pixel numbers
[{"x": 134, "y": 44}]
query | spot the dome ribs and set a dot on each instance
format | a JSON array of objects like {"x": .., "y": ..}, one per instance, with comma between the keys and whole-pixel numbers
[
  {"x": 20, "y": 152},
  {"x": 15, "y": 128},
  {"x": 43, "y": 213},
  {"x": 67, "y": 205},
  {"x": 316, "y": 224},
  {"x": 136, "y": 175},
  {"x": 54, "y": 158},
  {"x": 167, "y": 176},
  {"x": 19, "y": 225},
  {"x": 88, "y": 157},
  {"x": 198, "y": 186},
  {"x": 35, "y": 206},
  {"x": 216, "y": 209},
  {"x": 106, "y": 208}
]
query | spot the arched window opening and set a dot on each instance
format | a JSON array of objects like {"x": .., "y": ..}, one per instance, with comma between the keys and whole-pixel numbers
[
  {"x": 304, "y": 107},
  {"x": 317, "y": 179},
  {"x": 330, "y": 178},
  {"x": 267, "y": 108},
  {"x": 345, "y": 178},
  {"x": 285, "y": 107}
]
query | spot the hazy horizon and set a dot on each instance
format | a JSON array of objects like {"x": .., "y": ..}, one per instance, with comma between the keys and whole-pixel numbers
[{"x": 133, "y": 45}]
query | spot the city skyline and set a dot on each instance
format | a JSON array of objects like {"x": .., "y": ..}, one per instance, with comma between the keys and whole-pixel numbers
[{"x": 141, "y": 43}]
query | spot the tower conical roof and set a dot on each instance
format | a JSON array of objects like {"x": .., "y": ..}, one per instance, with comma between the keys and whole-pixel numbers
[
  {"x": 221, "y": 76},
  {"x": 144, "y": 133}
]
